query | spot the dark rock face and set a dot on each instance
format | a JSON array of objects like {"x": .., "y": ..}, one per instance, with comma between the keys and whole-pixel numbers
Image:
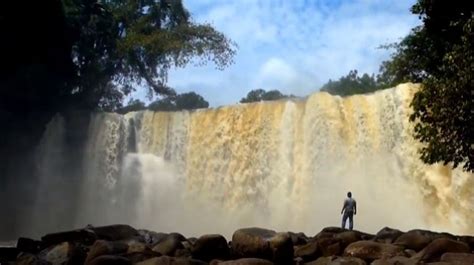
[
  {"x": 166, "y": 260},
  {"x": 264, "y": 244},
  {"x": 124, "y": 245},
  {"x": 110, "y": 260},
  {"x": 414, "y": 239},
  {"x": 168, "y": 246},
  {"x": 387, "y": 235},
  {"x": 114, "y": 232},
  {"x": 83, "y": 236},
  {"x": 370, "y": 250},
  {"x": 458, "y": 258},
  {"x": 439, "y": 246},
  {"x": 209, "y": 247},
  {"x": 28, "y": 245},
  {"x": 244, "y": 261},
  {"x": 101, "y": 247}
]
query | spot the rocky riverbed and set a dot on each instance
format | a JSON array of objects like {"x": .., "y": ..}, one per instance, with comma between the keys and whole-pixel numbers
[{"x": 123, "y": 244}]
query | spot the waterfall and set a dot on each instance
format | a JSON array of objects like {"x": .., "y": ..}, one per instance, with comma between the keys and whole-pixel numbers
[{"x": 285, "y": 165}]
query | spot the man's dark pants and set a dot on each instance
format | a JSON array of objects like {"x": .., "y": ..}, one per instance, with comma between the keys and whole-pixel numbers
[{"x": 348, "y": 214}]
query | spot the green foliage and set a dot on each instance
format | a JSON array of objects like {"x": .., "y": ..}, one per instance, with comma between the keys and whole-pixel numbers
[
  {"x": 262, "y": 95},
  {"x": 133, "y": 105},
  {"x": 127, "y": 43},
  {"x": 90, "y": 54},
  {"x": 352, "y": 84},
  {"x": 440, "y": 55},
  {"x": 185, "y": 101}
]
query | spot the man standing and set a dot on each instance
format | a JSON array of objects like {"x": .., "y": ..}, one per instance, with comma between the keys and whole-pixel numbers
[{"x": 349, "y": 209}]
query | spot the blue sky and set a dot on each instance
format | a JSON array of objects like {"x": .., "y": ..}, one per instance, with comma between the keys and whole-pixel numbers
[{"x": 293, "y": 45}]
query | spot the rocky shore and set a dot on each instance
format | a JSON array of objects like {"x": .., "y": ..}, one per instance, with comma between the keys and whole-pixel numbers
[{"x": 125, "y": 245}]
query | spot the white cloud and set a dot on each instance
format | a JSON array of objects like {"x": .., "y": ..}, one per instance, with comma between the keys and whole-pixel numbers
[{"x": 294, "y": 46}]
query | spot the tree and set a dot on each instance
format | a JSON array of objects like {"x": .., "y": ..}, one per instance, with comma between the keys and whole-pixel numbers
[
  {"x": 133, "y": 105},
  {"x": 126, "y": 43},
  {"x": 185, "y": 101},
  {"x": 164, "y": 104},
  {"x": 440, "y": 55},
  {"x": 261, "y": 94},
  {"x": 191, "y": 100},
  {"x": 352, "y": 84}
]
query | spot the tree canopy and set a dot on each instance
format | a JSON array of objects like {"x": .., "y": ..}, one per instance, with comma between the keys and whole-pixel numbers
[
  {"x": 352, "y": 84},
  {"x": 440, "y": 55},
  {"x": 185, "y": 101},
  {"x": 90, "y": 54},
  {"x": 261, "y": 95}
]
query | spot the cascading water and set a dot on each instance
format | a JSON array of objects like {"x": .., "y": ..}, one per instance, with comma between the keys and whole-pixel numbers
[{"x": 285, "y": 165}]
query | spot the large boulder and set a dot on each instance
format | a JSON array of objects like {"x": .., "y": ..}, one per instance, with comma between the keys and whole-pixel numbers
[
  {"x": 439, "y": 246},
  {"x": 168, "y": 246},
  {"x": 151, "y": 238},
  {"x": 371, "y": 250},
  {"x": 387, "y": 235},
  {"x": 458, "y": 258},
  {"x": 308, "y": 252},
  {"x": 114, "y": 232},
  {"x": 398, "y": 260},
  {"x": 110, "y": 260},
  {"x": 329, "y": 246},
  {"x": 414, "y": 239},
  {"x": 28, "y": 245},
  {"x": 262, "y": 243},
  {"x": 8, "y": 254},
  {"x": 347, "y": 237},
  {"x": 166, "y": 260},
  {"x": 334, "y": 260},
  {"x": 244, "y": 261},
  {"x": 468, "y": 240},
  {"x": 102, "y": 247},
  {"x": 64, "y": 253},
  {"x": 82, "y": 236},
  {"x": 298, "y": 238},
  {"x": 209, "y": 247}
]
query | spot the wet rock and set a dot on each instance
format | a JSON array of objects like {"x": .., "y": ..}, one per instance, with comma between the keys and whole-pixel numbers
[
  {"x": 308, "y": 252},
  {"x": 458, "y": 258},
  {"x": 28, "y": 245},
  {"x": 179, "y": 237},
  {"x": 83, "y": 236},
  {"x": 166, "y": 260},
  {"x": 29, "y": 259},
  {"x": 59, "y": 254},
  {"x": 322, "y": 261},
  {"x": 468, "y": 240},
  {"x": 136, "y": 257},
  {"x": 387, "y": 235},
  {"x": 329, "y": 247},
  {"x": 151, "y": 238},
  {"x": 168, "y": 246},
  {"x": 347, "y": 261},
  {"x": 135, "y": 246},
  {"x": 262, "y": 243},
  {"x": 115, "y": 232},
  {"x": 246, "y": 261},
  {"x": 209, "y": 247},
  {"x": 398, "y": 260},
  {"x": 8, "y": 254},
  {"x": 370, "y": 250},
  {"x": 347, "y": 237},
  {"x": 102, "y": 247},
  {"x": 298, "y": 238},
  {"x": 439, "y": 246},
  {"x": 110, "y": 260},
  {"x": 414, "y": 239},
  {"x": 333, "y": 230}
]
